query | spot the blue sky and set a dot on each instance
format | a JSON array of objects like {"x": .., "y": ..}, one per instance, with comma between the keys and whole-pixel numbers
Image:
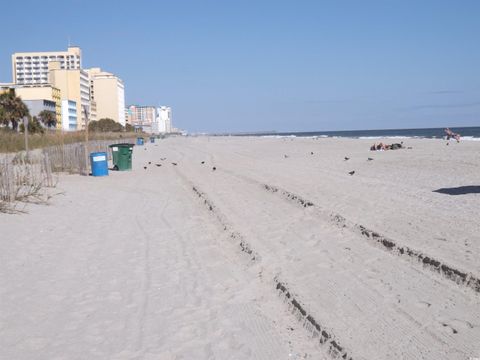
[{"x": 272, "y": 65}]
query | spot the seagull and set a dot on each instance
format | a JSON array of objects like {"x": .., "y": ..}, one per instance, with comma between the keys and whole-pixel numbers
[
  {"x": 163, "y": 159},
  {"x": 174, "y": 164},
  {"x": 203, "y": 162},
  {"x": 369, "y": 159},
  {"x": 352, "y": 172},
  {"x": 347, "y": 158},
  {"x": 158, "y": 164}
]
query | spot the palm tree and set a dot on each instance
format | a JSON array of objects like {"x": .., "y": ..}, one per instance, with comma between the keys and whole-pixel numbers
[
  {"x": 48, "y": 118},
  {"x": 13, "y": 109}
]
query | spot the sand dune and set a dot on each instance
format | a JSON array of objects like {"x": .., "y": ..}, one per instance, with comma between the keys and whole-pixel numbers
[{"x": 267, "y": 257}]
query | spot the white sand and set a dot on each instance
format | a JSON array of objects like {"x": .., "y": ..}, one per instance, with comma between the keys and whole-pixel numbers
[{"x": 137, "y": 266}]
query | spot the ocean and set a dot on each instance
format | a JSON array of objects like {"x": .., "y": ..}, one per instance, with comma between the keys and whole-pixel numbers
[{"x": 467, "y": 133}]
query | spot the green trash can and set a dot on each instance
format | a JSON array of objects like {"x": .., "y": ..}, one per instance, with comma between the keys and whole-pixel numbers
[{"x": 122, "y": 156}]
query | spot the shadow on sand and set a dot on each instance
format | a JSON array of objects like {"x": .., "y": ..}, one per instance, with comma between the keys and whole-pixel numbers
[{"x": 461, "y": 190}]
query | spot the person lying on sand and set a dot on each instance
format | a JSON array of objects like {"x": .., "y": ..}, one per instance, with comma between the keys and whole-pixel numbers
[
  {"x": 396, "y": 146},
  {"x": 451, "y": 134},
  {"x": 382, "y": 146},
  {"x": 378, "y": 147}
]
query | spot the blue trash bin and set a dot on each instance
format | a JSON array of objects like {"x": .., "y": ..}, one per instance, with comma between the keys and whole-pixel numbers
[
  {"x": 99, "y": 163},
  {"x": 140, "y": 141}
]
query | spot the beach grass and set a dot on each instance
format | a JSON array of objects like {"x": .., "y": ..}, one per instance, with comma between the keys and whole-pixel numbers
[{"x": 11, "y": 141}]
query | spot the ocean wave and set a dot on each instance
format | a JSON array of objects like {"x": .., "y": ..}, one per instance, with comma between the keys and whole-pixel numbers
[
  {"x": 278, "y": 136},
  {"x": 376, "y": 137},
  {"x": 470, "y": 138},
  {"x": 388, "y": 137}
]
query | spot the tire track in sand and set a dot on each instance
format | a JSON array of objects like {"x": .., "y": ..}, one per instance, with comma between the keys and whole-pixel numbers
[
  {"x": 462, "y": 278},
  {"x": 326, "y": 338}
]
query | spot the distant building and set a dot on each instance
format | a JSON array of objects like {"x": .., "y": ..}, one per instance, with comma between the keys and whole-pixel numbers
[
  {"x": 108, "y": 92},
  {"x": 142, "y": 117},
  {"x": 164, "y": 119},
  {"x": 149, "y": 118},
  {"x": 69, "y": 115},
  {"x": 30, "y": 68},
  {"x": 127, "y": 117}
]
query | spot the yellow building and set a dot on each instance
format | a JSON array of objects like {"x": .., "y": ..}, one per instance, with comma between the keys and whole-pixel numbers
[
  {"x": 108, "y": 92},
  {"x": 73, "y": 85},
  {"x": 42, "y": 92}
]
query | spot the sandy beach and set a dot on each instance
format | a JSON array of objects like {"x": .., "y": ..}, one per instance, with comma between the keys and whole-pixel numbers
[{"x": 252, "y": 248}]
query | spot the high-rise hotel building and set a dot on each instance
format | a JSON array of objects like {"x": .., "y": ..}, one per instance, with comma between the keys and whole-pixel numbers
[
  {"x": 108, "y": 92},
  {"x": 30, "y": 68},
  {"x": 101, "y": 93},
  {"x": 60, "y": 69}
]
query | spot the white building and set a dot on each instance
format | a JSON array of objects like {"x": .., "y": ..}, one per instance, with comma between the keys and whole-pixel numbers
[
  {"x": 32, "y": 67},
  {"x": 164, "y": 119},
  {"x": 85, "y": 99},
  {"x": 69, "y": 115}
]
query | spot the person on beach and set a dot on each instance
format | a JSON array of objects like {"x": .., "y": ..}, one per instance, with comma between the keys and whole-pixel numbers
[
  {"x": 396, "y": 146},
  {"x": 382, "y": 146},
  {"x": 378, "y": 147},
  {"x": 451, "y": 134}
]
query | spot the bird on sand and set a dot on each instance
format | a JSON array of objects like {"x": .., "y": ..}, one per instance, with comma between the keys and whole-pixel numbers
[
  {"x": 145, "y": 167},
  {"x": 174, "y": 164},
  {"x": 347, "y": 158},
  {"x": 369, "y": 159},
  {"x": 311, "y": 152},
  {"x": 158, "y": 164},
  {"x": 285, "y": 156},
  {"x": 352, "y": 172},
  {"x": 203, "y": 162},
  {"x": 149, "y": 163},
  {"x": 214, "y": 168}
]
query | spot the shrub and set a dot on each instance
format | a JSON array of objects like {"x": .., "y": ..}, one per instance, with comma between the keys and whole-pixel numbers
[{"x": 105, "y": 125}]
